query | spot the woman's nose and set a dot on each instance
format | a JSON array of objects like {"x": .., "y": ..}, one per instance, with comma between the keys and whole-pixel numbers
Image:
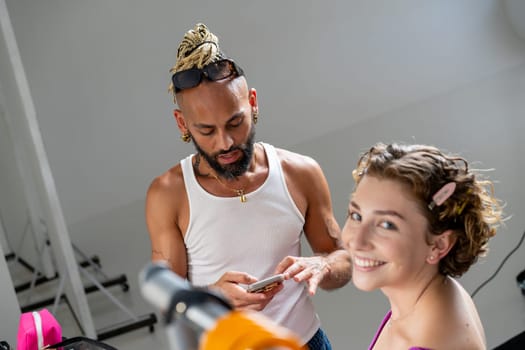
[{"x": 356, "y": 236}]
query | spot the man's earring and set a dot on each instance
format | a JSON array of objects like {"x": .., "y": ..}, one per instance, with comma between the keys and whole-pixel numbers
[
  {"x": 185, "y": 137},
  {"x": 255, "y": 116}
]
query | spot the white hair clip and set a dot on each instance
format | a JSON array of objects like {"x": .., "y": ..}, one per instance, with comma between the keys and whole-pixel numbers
[{"x": 442, "y": 195}]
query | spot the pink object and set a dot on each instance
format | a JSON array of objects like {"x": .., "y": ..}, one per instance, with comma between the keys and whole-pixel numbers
[
  {"x": 38, "y": 329},
  {"x": 442, "y": 195}
]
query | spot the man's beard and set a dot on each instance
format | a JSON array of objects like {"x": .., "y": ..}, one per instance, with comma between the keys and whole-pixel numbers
[{"x": 233, "y": 170}]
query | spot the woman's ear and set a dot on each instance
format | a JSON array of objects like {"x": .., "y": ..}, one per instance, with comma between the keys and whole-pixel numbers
[{"x": 441, "y": 245}]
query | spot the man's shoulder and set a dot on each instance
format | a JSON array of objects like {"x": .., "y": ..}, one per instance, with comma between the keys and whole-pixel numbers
[
  {"x": 293, "y": 158},
  {"x": 171, "y": 180},
  {"x": 299, "y": 166}
]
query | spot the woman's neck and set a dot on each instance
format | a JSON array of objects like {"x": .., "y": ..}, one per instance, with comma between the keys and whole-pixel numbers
[{"x": 404, "y": 300}]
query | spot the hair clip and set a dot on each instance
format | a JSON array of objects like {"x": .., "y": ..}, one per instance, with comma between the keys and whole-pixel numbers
[
  {"x": 461, "y": 207},
  {"x": 362, "y": 172},
  {"x": 442, "y": 195},
  {"x": 463, "y": 204}
]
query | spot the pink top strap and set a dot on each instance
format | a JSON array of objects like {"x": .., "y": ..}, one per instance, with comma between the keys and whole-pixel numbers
[{"x": 380, "y": 329}]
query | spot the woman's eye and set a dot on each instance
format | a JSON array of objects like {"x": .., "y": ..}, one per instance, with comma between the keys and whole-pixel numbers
[
  {"x": 387, "y": 225},
  {"x": 355, "y": 216}
]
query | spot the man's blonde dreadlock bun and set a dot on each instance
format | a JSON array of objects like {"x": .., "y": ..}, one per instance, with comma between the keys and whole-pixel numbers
[{"x": 198, "y": 48}]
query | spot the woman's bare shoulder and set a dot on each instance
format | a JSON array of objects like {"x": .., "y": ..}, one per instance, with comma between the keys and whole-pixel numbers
[{"x": 448, "y": 319}]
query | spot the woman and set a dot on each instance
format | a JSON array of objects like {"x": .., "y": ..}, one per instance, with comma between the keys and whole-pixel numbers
[{"x": 416, "y": 219}]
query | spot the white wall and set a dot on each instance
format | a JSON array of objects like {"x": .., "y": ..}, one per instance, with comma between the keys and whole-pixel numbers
[
  {"x": 98, "y": 72},
  {"x": 335, "y": 75}
]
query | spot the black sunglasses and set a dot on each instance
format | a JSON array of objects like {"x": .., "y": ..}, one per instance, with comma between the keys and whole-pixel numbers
[{"x": 214, "y": 71}]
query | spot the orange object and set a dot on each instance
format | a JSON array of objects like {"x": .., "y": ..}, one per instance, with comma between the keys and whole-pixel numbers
[{"x": 248, "y": 330}]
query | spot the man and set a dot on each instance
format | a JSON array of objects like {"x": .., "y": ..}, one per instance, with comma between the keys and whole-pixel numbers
[{"x": 233, "y": 213}]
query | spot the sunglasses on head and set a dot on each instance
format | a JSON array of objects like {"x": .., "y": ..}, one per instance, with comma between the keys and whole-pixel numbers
[{"x": 214, "y": 71}]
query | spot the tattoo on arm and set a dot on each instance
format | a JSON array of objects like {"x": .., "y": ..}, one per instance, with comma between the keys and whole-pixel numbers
[
  {"x": 334, "y": 231},
  {"x": 161, "y": 255}
]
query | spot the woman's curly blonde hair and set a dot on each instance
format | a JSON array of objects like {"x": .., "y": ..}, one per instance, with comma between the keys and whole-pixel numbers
[{"x": 472, "y": 211}]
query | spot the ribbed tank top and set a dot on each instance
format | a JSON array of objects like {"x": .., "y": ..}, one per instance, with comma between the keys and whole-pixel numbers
[{"x": 225, "y": 234}]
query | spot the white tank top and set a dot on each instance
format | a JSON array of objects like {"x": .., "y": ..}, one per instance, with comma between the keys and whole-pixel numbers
[{"x": 225, "y": 234}]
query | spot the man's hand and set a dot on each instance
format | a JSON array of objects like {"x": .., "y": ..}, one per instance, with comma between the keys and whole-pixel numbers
[
  {"x": 229, "y": 286},
  {"x": 310, "y": 269}
]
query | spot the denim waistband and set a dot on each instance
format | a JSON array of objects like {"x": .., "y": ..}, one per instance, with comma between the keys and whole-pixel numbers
[{"x": 319, "y": 341}]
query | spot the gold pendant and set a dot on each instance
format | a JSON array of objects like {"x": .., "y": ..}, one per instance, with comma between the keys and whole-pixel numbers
[{"x": 241, "y": 195}]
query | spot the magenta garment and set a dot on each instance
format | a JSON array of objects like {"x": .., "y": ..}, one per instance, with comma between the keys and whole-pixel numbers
[{"x": 383, "y": 324}]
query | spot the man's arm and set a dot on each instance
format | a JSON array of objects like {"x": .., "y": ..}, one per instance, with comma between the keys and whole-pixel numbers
[
  {"x": 163, "y": 206},
  {"x": 323, "y": 232},
  {"x": 330, "y": 267}
]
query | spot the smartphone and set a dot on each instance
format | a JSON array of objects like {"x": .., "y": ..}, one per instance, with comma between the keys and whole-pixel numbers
[{"x": 266, "y": 284}]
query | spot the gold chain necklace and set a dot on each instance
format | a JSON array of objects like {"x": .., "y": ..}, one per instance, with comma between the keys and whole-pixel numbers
[{"x": 238, "y": 191}]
